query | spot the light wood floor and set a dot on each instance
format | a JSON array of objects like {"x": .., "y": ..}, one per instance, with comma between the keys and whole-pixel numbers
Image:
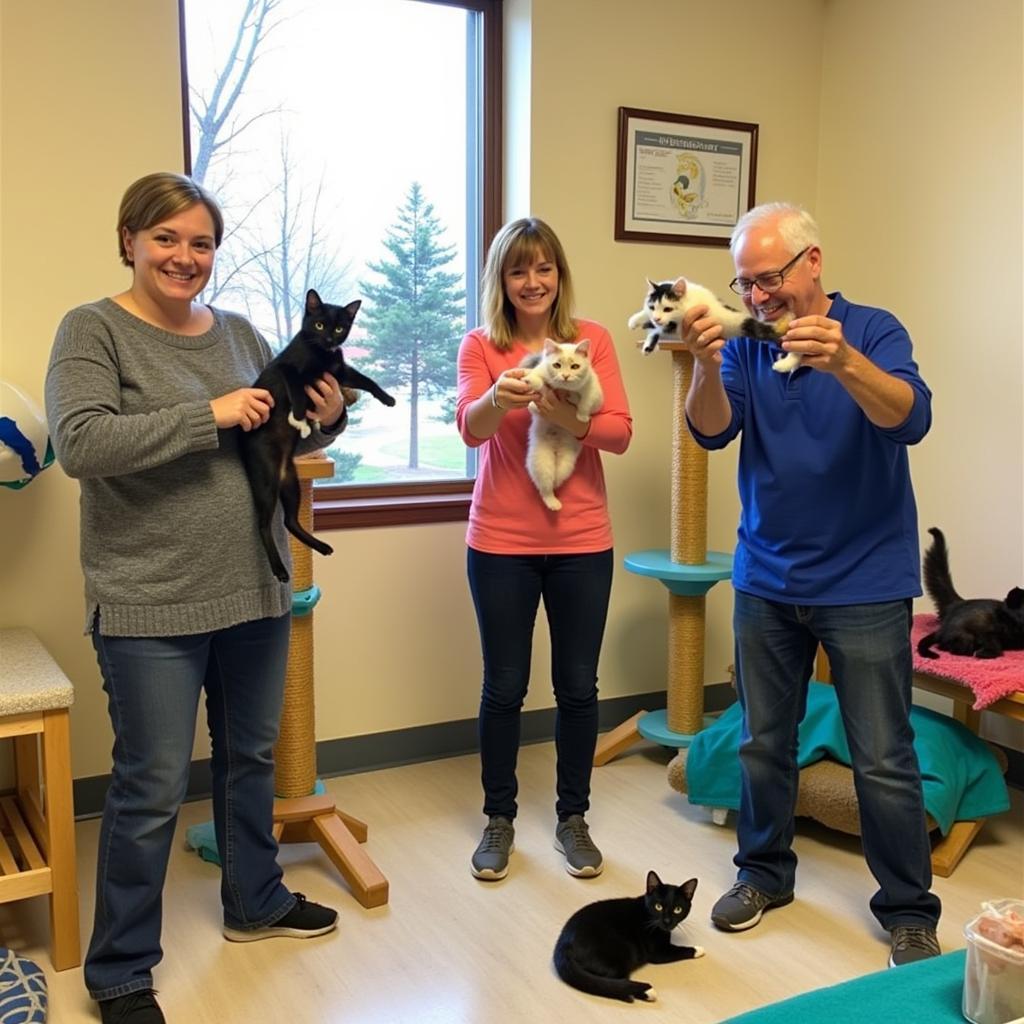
[{"x": 451, "y": 949}]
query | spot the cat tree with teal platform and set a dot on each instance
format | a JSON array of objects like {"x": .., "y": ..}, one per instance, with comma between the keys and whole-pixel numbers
[{"x": 688, "y": 570}]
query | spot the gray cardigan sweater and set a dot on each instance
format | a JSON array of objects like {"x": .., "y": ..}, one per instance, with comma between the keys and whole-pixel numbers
[{"x": 169, "y": 543}]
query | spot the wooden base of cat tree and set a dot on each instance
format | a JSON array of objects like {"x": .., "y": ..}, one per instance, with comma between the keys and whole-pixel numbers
[
  {"x": 301, "y": 815},
  {"x": 689, "y": 571}
]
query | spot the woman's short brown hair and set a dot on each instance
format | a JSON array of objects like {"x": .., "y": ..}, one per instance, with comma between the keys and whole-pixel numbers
[{"x": 155, "y": 197}]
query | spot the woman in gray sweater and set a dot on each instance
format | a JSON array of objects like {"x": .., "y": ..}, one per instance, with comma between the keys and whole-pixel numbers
[{"x": 143, "y": 394}]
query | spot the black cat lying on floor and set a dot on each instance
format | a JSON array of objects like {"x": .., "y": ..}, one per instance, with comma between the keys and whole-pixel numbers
[
  {"x": 983, "y": 627},
  {"x": 267, "y": 452},
  {"x": 604, "y": 942}
]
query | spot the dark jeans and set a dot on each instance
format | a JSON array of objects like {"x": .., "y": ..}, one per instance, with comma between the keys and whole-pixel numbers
[
  {"x": 869, "y": 650},
  {"x": 153, "y": 687},
  {"x": 507, "y": 590}
]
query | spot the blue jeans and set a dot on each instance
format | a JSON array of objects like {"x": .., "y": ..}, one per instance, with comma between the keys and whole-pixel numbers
[
  {"x": 153, "y": 687},
  {"x": 507, "y": 590},
  {"x": 869, "y": 650}
]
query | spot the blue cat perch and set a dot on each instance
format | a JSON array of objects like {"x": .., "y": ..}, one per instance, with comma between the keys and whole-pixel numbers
[
  {"x": 689, "y": 571},
  {"x": 303, "y": 812}
]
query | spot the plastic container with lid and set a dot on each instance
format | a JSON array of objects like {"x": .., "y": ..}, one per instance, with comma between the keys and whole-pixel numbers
[{"x": 994, "y": 976}]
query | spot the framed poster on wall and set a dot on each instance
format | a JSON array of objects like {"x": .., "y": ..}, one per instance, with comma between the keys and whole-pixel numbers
[{"x": 681, "y": 178}]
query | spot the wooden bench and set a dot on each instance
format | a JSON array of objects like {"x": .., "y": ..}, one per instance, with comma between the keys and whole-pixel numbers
[{"x": 37, "y": 831}]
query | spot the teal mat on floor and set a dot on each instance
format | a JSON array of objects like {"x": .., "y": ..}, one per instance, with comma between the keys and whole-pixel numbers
[{"x": 929, "y": 992}]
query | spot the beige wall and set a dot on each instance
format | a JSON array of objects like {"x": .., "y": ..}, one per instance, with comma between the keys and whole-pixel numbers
[{"x": 903, "y": 132}]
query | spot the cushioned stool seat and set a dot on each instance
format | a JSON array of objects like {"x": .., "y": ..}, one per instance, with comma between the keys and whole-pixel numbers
[{"x": 37, "y": 826}]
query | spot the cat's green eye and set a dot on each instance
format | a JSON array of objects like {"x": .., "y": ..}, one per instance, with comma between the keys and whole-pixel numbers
[
  {"x": 677, "y": 910},
  {"x": 339, "y": 330},
  {"x": 657, "y": 906},
  {"x": 318, "y": 325}
]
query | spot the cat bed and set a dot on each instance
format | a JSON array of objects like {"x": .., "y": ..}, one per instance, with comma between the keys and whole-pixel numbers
[
  {"x": 961, "y": 776},
  {"x": 23, "y": 996},
  {"x": 926, "y": 992},
  {"x": 988, "y": 678}
]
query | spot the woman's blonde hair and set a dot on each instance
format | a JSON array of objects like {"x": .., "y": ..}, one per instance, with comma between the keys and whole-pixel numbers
[
  {"x": 519, "y": 242},
  {"x": 155, "y": 197}
]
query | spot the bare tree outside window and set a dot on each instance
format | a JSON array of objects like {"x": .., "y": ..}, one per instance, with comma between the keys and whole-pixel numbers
[{"x": 310, "y": 141}]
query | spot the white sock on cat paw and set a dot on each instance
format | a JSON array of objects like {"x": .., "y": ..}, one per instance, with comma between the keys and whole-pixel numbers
[
  {"x": 698, "y": 951},
  {"x": 300, "y": 425},
  {"x": 650, "y": 996}
]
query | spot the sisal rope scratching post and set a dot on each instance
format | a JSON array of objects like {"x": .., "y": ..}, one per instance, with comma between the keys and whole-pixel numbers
[
  {"x": 295, "y": 751},
  {"x": 689, "y": 547},
  {"x": 303, "y": 812},
  {"x": 689, "y": 571}
]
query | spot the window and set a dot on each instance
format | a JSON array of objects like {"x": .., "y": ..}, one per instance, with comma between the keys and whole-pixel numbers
[{"x": 354, "y": 146}]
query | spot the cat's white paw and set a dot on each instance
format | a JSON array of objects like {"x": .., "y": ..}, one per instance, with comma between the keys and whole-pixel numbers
[
  {"x": 552, "y": 502},
  {"x": 300, "y": 425},
  {"x": 583, "y": 417},
  {"x": 650, "y": 345},
  {"x": 698, "y": 951},
  {"x": 650, "y": 996},
  {"x": 787, "y": 363}
]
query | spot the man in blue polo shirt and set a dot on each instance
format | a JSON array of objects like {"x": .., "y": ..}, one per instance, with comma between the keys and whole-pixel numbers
[{"x": 827, "y": 553}]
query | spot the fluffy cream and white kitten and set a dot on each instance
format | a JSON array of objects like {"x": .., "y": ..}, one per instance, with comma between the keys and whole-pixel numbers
[{"x": 552, "y": 452}]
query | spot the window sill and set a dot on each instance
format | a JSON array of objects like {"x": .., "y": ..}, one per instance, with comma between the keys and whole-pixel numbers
[{"x": 334, "y": 511}]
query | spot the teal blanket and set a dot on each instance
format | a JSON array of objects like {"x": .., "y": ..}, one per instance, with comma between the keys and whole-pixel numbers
[
  {"x": 928, "y": 992},
  {"x": 961, "y": 777}
]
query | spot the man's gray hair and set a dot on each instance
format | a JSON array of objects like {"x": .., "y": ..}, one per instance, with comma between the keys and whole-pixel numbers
[{"x": 797, "y": 227}]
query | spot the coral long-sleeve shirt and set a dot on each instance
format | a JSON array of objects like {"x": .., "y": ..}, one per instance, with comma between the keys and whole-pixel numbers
[{"x": 507, "y": 515}]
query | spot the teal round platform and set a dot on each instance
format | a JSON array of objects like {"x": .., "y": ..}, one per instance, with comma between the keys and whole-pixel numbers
[
  {"x": 654, "y": 727},
  {"x": 304, "y": 601},
  {"x": 685, "y": 580}
]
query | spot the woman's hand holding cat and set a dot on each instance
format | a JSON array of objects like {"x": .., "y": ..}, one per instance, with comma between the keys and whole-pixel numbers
[
  {"x": 702, "y": 335},
  {"x": 246, "y": 408},
  {"x": 510, "y": 391},
  {"x": 328, "y": 401},
  {"x": 552, "y": 406}
]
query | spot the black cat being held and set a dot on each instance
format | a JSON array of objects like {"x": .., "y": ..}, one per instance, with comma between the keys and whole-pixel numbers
[
  {"x": 267, "y": 452},
  {"x": 982, "y": 627},
  {"x": 604, "y": 942}
]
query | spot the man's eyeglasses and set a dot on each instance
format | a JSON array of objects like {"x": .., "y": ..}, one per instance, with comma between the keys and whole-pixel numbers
[{"x": 770, "y": 282}]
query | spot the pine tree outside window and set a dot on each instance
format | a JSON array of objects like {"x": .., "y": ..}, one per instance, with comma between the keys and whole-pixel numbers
[{"x": 354, "y": 146}]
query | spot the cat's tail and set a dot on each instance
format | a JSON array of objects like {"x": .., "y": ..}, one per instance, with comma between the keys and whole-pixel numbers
[
  {"x": 937, "y": 579},
  {"x": 580, "y": 978},
  {"x": 924, "y": 645}
]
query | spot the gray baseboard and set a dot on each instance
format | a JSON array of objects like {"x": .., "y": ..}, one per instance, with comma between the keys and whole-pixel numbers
[{"x": 352, "y": 754}]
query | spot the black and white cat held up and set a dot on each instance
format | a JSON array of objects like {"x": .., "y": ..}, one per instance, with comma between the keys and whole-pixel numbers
[
  {"x": 667, "y": 302},
  {"x": 604, "y": 942},
  {"x": 552, "y": 450},
  {"x": 267, "y": 452}
]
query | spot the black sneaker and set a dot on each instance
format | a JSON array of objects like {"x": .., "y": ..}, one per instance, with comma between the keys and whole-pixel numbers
[
  {"x": 742, "y": 907},
  {"x": 304, "y": 921},
  {"x": 135, "y": 1008},
  {"x": 911, "y": 943}
]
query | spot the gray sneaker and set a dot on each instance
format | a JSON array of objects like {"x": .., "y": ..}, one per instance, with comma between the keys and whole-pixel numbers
[
  {"x": 582, "y": 857},
  {"x": 490, "y": 859},
  {"x": 742, "y": 907}
]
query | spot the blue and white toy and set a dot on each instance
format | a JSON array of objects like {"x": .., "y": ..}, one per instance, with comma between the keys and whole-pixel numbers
[{"x": 25, "y": 449}]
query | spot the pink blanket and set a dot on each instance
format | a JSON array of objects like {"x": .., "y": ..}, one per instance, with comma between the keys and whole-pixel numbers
[{"x": 988, "y": 678}]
